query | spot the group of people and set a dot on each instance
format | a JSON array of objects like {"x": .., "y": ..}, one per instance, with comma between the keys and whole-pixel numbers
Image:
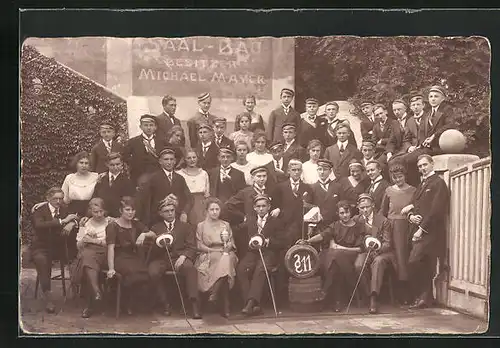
[{"x": 211, "y": 198}]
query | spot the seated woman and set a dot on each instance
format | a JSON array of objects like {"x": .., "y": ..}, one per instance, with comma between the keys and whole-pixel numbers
[
  {"x": 122, "y": 235},
  {"x": 217, "y": 261},
  {"x": 343, "y": 240},
  {"x": 241, "y": 163},
  {"x": 199, "y": 186},
  {"x": 244, "y": 133},
  {"x": 256, "y": 121},
  {"x": 91, "y": 259},
  {"x": 260, "y": 156}
]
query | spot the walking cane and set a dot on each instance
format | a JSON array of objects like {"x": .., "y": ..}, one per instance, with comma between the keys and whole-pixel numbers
[
  {"x": 166, "y": 240},
  {"x": 373, "y": 244},
  {"x": 256, "y": 242}
]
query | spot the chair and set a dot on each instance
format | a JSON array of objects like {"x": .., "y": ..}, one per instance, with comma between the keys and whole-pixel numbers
[
  {"x": 62, "y": 276},
  {"x": 118, "y": 281}
]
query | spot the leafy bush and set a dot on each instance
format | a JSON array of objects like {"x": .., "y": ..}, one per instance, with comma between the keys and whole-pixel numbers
[
  {"x": 57, "y": 123},
  {"x": 385, "y": 68}
]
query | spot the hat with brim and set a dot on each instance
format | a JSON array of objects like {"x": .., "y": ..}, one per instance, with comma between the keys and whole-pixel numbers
[
  {"x": 312, "y": 101},
  {"x": 400, "y": 101},
  {"x": 438, "y": 89},
  {"x": 261, "y": 197},
  {"x": 258, "y": 170},
  {"x": 323, "y": 162},
  {"x": 368, "y": 143},
  {"x": 106, "y": 125},
  {"x": 355, "y": 163},
  {"x": 288, "y": 90},
  {"x": 226, "y": 150},
  {"x": 276, "y": 145},
  {"x": 415, "y": 97},
  {"x": 365, "y": 196},
  {"x": 148, "y": 118},
  {"x": 365, "y": 103},
  {"x": 288, "y": 125},
  {"x": 167, "y": 150},
  {"x": 206, "y": 126},
  {"x": 203, "y": 96}
]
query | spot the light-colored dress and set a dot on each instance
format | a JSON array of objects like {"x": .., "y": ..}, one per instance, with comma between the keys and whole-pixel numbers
[
  {"x": 246, "y": 170},
  {"x": 259, "y": 159},
  {"x": 214, "y": 265},
  {"x": 78, "y": 191},
  {"x": 240, "y": 136},
  {"x": 199, "y": 186},
  {"x": 310, "y": 172}
]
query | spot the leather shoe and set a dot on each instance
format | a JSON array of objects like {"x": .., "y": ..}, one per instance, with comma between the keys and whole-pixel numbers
[
  {"x": 419, "y": 304},
  {"x": 249, "y": 308},
  {"x": 196, "y": 310},
  {"x": 373, "y": 305},
  {"x": 87, "y": 312}
]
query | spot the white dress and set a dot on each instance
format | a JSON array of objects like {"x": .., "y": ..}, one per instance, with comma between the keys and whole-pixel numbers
[
  {"x": 259, "y": 159},
  {"x": 199, "y": 186},
  {"x": 79, "y": 188},
  {"x": 309, "y": 172}
]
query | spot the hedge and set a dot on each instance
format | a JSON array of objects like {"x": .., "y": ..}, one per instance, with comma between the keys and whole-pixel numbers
[
  {"x": 57, "y": 123},
  {"x": 382, "y": 69}
]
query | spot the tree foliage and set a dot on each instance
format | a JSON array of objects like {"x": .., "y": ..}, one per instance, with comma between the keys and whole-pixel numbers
[
  {"x": 56, "y": 123},
  {"x": 382, "y": 69}
]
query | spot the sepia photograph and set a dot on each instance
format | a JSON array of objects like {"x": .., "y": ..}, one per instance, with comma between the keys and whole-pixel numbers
[{"x": 254, "y": 185}]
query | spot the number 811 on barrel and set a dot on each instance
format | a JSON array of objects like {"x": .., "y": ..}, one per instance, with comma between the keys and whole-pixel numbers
[{"x": 302, "y": 261}]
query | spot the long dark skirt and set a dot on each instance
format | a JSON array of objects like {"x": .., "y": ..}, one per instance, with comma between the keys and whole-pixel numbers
[
  {"x": 131, "y": 267},
  {"x": 402, "y": 243},
  {"x": 92, "y": 256}
]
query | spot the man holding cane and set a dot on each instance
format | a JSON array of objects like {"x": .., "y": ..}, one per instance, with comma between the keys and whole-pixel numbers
[{"x": 427, "y": 213}]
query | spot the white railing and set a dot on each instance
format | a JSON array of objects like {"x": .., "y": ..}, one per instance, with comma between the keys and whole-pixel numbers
[{"x": 469, "y": 234}]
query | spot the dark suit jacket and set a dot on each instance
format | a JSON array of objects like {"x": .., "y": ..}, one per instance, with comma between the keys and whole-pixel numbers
[
  {"x": 327, "y": 201},
  {"x": 383, "y": 135},
  {"x": 138, "y": 159},
  {"x": 164, "y": 122},
  {"x": 443, "y": 120},
  {"x": 210, "y": 160},
  {"x": 122, "y": 186},
  {"x": 380, "y": 229},
  {"x": 240, "y": 205},
  {"x": 289, "y": 204},
  {"x": 341, "y": 163},
  {"x": 225, "y": 142},
  {"x": 47, "y": 230},
  {"x": 276, "y": 120},
  {"x": 307, "y": 132},
  {"x": 274, "y": 229},
  {"x": 378, "y": 194},
  {"x": 366, "y": 127},
  {"x": 275, "y": 176},
  {"x": 184, "y": 241},
  {"x": 296, "y": 151},
  {"x": 421, "y": 127},
  {"x": 156, "y": 189},
  {"x": 98, "y": 155},
  {"x": 237, "y": 182},
  {"x": 193, "y": 124},
  {"x": 330, "y": 139}
]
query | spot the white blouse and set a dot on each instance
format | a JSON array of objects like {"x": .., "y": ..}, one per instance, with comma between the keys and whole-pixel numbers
[
  {"x": 309, "y": 172},
  {"x": 246, "y": 170},
  {"x": 197, "y": 183},
  {"x": 259, "y": 160},
  {"x": 79, "y": 188},
  {"x": 91, "y": 230}
]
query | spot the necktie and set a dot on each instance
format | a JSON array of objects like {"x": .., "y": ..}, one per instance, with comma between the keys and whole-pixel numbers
[
  {"x": 324, "y": 185},
  {"x": 223, "y": 174},
  {"x": 169, "y": 177},
  {"x": 260, "y": 225},
  {"x": 286, "y": 110},
  {"x": 295, "y": 188},
  {"x": 170, "y": 226},
  {"x": 342, "y": 149},
  {"x": 258, "y": 190},
  {"x": 372, "y": 187},
  {"x": 108, "y": 146},
  {"x": 205, "y": 149},
  {"x": 431, "y": 119},
  {"x": 278, "y": 165},
  {"x": 111, "y": 180},
  {"x": 56, "y": 214},
  {"x": 218, "y": 141}
]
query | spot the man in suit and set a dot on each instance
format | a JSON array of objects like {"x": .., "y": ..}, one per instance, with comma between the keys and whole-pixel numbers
[
  {"x": 383, "y": 129},
  {"x": 203, "y": 115},
  {"x": 428, "y": 214},
  {"x": 250, "y": 270},
  {"x": 166, "y": 120},
  {"x": 367, "y": 120},
  {"x": 182, "y": 253},
  {"x": 432, "y": 125},
  {"x": 161, "y": 184},
  {"x": 105, "y": 146},
  {"x": 369, "y": 154},
  {"x": 330, "y": 136},
  {"x": 326, "y": 193},
  {"x": 377, "y": 183},
  {"x": 342, "y": 152},
  {"x": 206, "y": 149},
  {"x": 278, "y": 167},
  {"x": 141, "y": 152},
  {"x": 377, "y": 226},
  {"x": 292, "y": 148},
  {"x": 240, "y": 206},
  {"x": 225, "y": 181},
  {"x": 404, "y": 136},
  {"x": 220, "y": 124},
  {"x": 284, "y": 113},
  {"x": 311, "y": 126},
  {"x": 114, "y": 185},
  {"x": 52, "y": 223},
  {"x": 289, "y": 199}
]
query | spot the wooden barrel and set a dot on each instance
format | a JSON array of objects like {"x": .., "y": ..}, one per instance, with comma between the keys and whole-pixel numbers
[
  {"x": 305, "y": 294},
  {"x": 302, "y": 261}
]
